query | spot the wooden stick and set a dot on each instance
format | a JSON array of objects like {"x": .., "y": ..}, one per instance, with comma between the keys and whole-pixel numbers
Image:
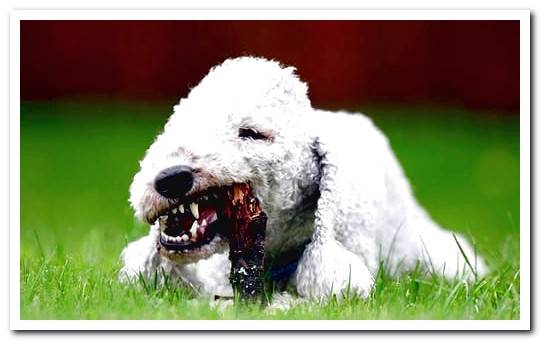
[{"x": 246, "y": 243}]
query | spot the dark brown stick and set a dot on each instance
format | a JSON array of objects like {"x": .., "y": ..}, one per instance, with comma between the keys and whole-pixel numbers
[{"x": 247, "y": 242}]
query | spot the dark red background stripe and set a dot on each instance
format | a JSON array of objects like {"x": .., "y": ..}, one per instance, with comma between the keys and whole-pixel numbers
[{"x": 466, "y": 63}]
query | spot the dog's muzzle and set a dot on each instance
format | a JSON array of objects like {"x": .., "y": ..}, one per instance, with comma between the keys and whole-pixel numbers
[{"x": 195, "y": 221}]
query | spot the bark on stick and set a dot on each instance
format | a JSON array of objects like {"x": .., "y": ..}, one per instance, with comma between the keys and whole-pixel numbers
[{"x": 246, "y": 242}]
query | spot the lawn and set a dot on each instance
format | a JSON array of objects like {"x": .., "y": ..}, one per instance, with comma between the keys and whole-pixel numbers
[{"x": 77, "y": 160}]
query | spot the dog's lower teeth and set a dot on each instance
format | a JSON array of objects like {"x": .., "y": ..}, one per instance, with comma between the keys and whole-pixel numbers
[
  {"x": 181, "y": 208},
  {"x": 185, "y": 237},
  {"x": 174, "y": 210}
]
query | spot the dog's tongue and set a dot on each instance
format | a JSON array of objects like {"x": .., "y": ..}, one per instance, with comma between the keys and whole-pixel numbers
[{"x": 207, "y": 216}]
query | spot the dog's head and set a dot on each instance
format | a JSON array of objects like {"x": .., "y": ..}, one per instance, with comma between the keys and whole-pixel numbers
[{"x": 244, "y": 123}]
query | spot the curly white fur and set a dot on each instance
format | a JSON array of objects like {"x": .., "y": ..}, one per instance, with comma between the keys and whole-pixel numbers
[{"x": 330, "y": 177}]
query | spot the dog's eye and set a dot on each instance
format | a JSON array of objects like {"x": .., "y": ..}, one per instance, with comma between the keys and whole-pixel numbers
[{"x": 250, "y": 133}]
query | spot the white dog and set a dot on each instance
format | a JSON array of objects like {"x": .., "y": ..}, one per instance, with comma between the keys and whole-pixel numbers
[{"x": 332, "y": 189}]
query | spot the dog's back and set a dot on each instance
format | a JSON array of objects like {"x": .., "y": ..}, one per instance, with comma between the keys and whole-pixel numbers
[{"x": 403, "y": 231}]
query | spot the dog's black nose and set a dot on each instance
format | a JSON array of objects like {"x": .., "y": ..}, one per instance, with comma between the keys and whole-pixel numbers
[{"x": 174, "y": 182}]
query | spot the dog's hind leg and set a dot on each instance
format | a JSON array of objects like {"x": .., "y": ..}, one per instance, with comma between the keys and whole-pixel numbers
[
  {"x": 450, "y": 255},
  {"x": 439, "y": 252}
]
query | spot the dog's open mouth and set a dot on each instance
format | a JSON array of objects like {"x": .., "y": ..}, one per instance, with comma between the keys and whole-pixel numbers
[{"x": 193, "y": 222}]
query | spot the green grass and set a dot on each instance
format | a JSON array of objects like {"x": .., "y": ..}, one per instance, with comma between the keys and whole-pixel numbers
[{"x": 77, "y": 161}]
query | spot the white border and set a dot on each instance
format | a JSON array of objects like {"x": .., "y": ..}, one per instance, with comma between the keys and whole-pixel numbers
[
  {"x": 523, "y": 15},
  {"x": 271, "y": 14}
]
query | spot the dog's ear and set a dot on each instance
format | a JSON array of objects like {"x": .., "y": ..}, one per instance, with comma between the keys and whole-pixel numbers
[
  {"x": 350, "y": 185},
  {"x": 327, "y": 210}
]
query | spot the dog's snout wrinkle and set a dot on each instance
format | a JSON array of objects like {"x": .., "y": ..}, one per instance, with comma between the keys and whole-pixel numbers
[{"x": 174, "y": 182}]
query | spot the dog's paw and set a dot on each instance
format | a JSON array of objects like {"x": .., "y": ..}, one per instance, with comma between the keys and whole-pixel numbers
[
  {"x": 139, "y": 258},
  {"x": 282, "y": 302},
  {"x": 327, "y": 268},
  {"x": 221, "y": 304}
]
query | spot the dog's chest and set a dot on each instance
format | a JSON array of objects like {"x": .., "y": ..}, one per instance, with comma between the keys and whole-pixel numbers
[{"x": 289, "y": 229}]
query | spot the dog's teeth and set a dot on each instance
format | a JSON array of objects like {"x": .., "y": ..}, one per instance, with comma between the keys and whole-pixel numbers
[
  {"x": 181, "y": 208},
  {"x": 163, "y": 226},
  {"x": 195, "y": 210},
  {"x": 174, "y": 210},
  {"x": 185, "y": 237},
  {"x": 162, "y": 222},
  {"x": 194, "y": 227},
  {"x": 193, "y": 231},
  {"x": 178, "y": 239}
]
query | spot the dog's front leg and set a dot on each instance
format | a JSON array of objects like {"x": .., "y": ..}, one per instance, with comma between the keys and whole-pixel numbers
[
  {"x": 140, "y": 258},
  {"x": 346, "y": 210},
  {"x": 327, "y": 268}
]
